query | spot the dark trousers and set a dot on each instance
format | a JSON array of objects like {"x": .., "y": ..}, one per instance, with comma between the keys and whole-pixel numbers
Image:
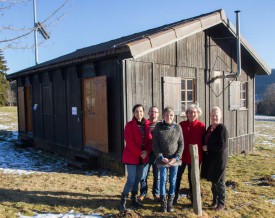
[
  {"x": 218, "y": 191},
  {"x": 179, "y": 177}
]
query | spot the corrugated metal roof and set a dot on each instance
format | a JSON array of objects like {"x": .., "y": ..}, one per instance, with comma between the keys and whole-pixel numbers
[{"x": 144, "y": 42}]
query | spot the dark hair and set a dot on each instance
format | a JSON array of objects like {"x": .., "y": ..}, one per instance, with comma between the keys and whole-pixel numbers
[
  {"x": 136, "y": 106},
  {"x": 153, "y": 107}
]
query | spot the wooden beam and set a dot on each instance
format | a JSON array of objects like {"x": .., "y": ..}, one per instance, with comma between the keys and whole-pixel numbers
[{"x": 195, "y": 178}]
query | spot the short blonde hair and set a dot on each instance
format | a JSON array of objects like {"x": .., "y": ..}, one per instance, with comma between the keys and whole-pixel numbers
[
  {"x": 194, "y": 106},
  {"x": 217, "y": 109}
]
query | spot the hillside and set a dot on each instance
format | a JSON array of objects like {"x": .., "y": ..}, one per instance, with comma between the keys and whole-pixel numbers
[{"x": 262, "y": 82}]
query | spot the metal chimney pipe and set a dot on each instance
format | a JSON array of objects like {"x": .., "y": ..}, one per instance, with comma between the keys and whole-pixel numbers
[{"x": 238, "y": 43}]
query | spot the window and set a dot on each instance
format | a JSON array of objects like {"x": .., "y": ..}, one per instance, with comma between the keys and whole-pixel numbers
[
  {"x": 243, "y": 95},
  {"x": 187, "y": 93},
  {"x": 238, "y": 95}
]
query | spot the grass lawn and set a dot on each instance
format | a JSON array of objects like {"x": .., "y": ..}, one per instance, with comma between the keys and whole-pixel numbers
[{"x": 250, "y": 186}]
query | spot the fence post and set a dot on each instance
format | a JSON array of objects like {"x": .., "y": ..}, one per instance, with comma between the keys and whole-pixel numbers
[{"x": 195, "y": 178}]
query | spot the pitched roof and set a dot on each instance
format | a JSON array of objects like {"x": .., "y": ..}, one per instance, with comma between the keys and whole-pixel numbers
[{"x": 144, "y": 42}]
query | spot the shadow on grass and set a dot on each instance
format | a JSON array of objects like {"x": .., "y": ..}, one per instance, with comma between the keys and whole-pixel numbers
[
  {"x": 65, "y": 199},
  {"x": 78, "y": 201}
]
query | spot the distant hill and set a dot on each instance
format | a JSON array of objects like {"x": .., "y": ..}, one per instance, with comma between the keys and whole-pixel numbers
[{"x": 262, "y": 82}]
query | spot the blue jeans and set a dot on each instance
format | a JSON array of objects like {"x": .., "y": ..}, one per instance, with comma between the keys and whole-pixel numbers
[
  {"x": 143, "y": 181},
  {"x": 133, "y": 178},
  {"x": 172, "y": 180}
]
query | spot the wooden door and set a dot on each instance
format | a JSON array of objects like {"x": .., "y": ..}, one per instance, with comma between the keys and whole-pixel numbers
[
  {"x": 21, "y": 109},
  {"x": 28, "y": 107},
  {"x": 95, "y": 115},
  {"x": 25, "y": 109}
]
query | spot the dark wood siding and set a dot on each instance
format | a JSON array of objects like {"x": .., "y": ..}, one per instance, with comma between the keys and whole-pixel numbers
[
  {"x": 37, "y": 114},
  {"x": 73, "y": 99},
  {"x": 47, "y": 110},
  {"x": 112, "y": 68},
  {"x": 60, "y": 107}
]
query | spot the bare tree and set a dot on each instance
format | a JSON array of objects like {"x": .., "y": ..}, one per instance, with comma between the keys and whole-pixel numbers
[
  {"x": 267, "y": 105},
  {"x": 10, "y": 97},
  {"x": 17, "y": 33},
  {"x": 269, "y": 93}
]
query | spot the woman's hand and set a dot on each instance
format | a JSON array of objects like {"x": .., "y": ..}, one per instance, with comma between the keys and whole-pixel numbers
[
  {"x": 143, "y": 154},
  {"x": 165, "y": 160},
  {"x": 172, "y": 161},
  {"x": 204, "y": 148}
]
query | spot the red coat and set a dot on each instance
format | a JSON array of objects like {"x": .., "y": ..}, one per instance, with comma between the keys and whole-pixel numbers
[
  {"x": 192, "y": 134},
  {"x": 133, "y": 139}
]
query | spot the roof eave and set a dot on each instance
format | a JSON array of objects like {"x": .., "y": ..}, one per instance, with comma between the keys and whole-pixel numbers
[
  {"x": 173, "y": 34},
  {"x": 77, "y": 60},
  {"x": 150, "y": 43}
]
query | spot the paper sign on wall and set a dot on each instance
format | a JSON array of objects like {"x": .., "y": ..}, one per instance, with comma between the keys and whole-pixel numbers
[
  {"x": 74, "y": 110},
  {"x": 35, "y": 107}
]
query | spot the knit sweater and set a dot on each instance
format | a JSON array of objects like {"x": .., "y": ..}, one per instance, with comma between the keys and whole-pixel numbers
[{"x": 168, "y": 141}]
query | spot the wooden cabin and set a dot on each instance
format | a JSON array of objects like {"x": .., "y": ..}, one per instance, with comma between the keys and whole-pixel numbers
[{"x": 77, "y": 105}]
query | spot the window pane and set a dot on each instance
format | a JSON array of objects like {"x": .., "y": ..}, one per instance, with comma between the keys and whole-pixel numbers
[
  {"x": 243, "y": 86},
  {"x": 189, "y": 95},
  {"x": 183, "y": 107},
  {"x": 243, "y": 95},
  {"x": 183, "y": 84},
  {"x": 244, "y": 103},
  {"x": 190, "y": 84},
  {"x": 183, "y": 96}
]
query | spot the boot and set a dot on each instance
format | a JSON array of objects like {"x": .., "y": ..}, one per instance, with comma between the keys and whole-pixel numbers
[
  {"x": 176, "y": 198},
  {"x": 134, "y": 202},
  {"x": 163, "y": 204},
  {"x": 170, "y": 203},
  {"x": 123, "y": 199}
]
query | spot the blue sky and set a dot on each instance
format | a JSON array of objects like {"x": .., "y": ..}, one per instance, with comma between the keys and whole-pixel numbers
[{"x": 89, "y": 22}]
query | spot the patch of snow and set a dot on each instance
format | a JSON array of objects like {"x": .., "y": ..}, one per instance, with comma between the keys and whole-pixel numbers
[
  {"x": 264, "y": 118},
  {"x": 23, "y": 161},
  {"x": 4, "y": 127},
  {"x": 272, "y": 201}
]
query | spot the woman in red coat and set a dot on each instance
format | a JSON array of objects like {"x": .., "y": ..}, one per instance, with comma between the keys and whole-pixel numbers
[
  {"x": 193, "y": 131},
  {"x": 138, "y": 138}
]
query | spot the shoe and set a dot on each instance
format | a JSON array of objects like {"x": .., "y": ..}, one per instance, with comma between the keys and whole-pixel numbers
[
  {"x": 219, "y": 207},
  {"x": 157, "y": 198},
  {"x": 213, "y": 205},
  {"x": 141, "y": 198},
  {"x": 176, "y": 199}
]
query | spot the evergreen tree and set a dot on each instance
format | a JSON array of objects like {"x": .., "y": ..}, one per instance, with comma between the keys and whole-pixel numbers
[{"x": 4, "y": 84}]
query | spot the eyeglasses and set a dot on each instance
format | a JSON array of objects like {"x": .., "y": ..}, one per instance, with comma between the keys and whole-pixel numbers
[
  {"x": 154, "y": 112},
  {"x": 192, "y": 112}
]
